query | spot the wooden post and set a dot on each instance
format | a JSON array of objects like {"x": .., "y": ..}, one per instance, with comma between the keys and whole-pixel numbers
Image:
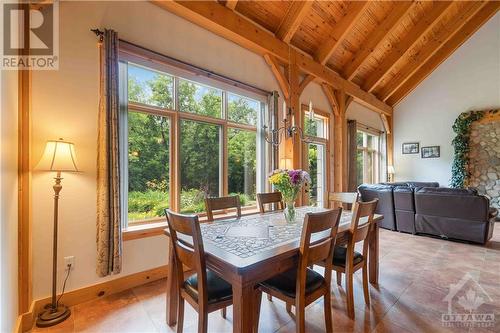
[
  {"x": 387, "y": 121},
  {"x": 339, "y": 102}
]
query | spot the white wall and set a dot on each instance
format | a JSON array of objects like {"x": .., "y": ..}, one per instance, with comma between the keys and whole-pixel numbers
[
  {"x": 65, "y": 105},
  {"x": 8, "y": 200},
  {"x": 468, "y": 80}
]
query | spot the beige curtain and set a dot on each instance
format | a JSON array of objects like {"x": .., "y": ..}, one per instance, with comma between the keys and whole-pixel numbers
[
  {"x": 109, "y": 233},
  {"x": 352, "y": 151}
]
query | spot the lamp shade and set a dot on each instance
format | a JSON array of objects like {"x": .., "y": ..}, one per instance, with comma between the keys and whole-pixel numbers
[
  {"x": 390, "y": 169},
  {"x": 58, "y": 155}
]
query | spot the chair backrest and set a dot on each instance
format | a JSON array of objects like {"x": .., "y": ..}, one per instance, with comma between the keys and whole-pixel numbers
[
  {"x": 317, "y": 243},
  {"x": 270, "y": 198},
  {"x": 213, "y": 204},
  {"x": 362, "y": 211},
  {"x": 185, "y": 235},
  {"x": 339, "y": 198}
]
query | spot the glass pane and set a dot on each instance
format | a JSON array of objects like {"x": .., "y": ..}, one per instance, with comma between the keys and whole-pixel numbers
[
  {"x": 314, "y": 127},
  {"x": 242, "y": 161},
  {"x": 199, "y": 164},
  {"x": 359, "y": 139},
  {"x": 369, "y": 167},
  {"x": 316, "y": 159},
  {"x": 148, "y": 166},
  {"x": 370, "y": 141},
  {"x": 359, "y": 166},
  {"x": 200, "y": 99},
  {"x": 242, "y": 109},
  {"x": 150, "y": 87}
]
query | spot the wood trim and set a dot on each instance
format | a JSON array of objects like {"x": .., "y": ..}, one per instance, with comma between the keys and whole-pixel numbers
[
  {"x": 429, "y": 20},
  {"x": 85, "y": 294},
  {"x": 24, "y": 192},
  {"x": 386, "y": 123},
  {"x": 342, "y": 29},
  {"x": 231, "y": 4},
  {"x": 305, "y": 81},
  {"x": 297, "y": 10},
  {"x": 429, "y": 49},
  {"x": 375, "y": 39},
  {"x": 278, "y": 75},
  {"x": 446, "y": 50},
  {"x": 144, "y": 230},
  {"x": 227, "y": 24},
  {"x": 331, "y": 98}
]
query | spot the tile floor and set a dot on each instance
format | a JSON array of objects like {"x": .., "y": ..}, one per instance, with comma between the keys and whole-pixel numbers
[{"x": 415, "y": 277}]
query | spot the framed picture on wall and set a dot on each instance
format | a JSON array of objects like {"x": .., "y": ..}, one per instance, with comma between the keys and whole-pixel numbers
[
  {"x": 411, "y": 147},
  {"x": 431, "y": 152}
]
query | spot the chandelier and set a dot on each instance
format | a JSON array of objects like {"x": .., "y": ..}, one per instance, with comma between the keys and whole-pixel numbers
[{"x": 289, "y": 129}]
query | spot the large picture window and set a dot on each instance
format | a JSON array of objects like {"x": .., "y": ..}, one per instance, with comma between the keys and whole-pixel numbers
[
  {"x": 316, "y": 129},
  {"x": 367, "y": 157},
  {"x": 187, "y": 140}
]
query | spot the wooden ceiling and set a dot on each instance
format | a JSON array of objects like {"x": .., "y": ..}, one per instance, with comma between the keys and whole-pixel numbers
[
  {"x": 379, "y": 45},
  {"x": 385, "y": 48}
]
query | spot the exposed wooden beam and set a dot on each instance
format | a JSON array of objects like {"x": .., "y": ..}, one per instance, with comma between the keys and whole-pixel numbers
[
  {"x": 374, "y": 40},
  {"x": 291, "y": 22},
  {"x": 226, "y": 23},
  {"x": 446, "y": 50},
  {"x": 231, "y": 4},
  {"x": 278, "y": 74},
  {"x": 305, "y": 81},
  {"x": 399, "y": 50},
  {"x": 386, "y": 123},
  {"x": 429, "y": 49},
  {"x": 330, "y": 95},
  {"x": 342, "y": 29}
]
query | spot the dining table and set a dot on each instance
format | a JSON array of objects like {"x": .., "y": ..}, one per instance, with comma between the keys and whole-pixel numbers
[{"x": 248, "y": 250}]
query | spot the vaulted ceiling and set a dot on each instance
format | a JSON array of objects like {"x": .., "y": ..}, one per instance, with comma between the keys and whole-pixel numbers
[{"x": 385, "y": 48}]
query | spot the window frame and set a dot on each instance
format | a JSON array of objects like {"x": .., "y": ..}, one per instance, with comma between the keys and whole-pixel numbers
[
  {"x": 153, "y": 61},
  {"x": 324, "y": 141},
  {"x": 370, "y": 150}
]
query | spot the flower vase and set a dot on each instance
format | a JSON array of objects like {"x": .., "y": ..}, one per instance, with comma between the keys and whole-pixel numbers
[{"x": 289, "y": 212}]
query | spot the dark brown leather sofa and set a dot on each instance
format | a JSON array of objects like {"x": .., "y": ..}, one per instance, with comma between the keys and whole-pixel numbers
[
  {"x": 448, "y": 213},
  {"x": 453, "y": 213},
  {"x": 386, "y": 204}
]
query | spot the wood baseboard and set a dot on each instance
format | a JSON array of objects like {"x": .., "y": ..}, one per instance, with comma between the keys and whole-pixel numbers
[{"x": 26, "y": 320}]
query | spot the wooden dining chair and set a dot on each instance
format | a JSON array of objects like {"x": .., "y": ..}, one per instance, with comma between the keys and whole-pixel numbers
[
  {"x": 213, "y": 204},
  {"x": 346, "y": 260},
  {"x": 205, "y": 291},
  {"x": 301, "y": 285},
  {"x": 266, "y": 199},
  {"x": 270, "y": 198},
  {"x": 337, "y": 199}
]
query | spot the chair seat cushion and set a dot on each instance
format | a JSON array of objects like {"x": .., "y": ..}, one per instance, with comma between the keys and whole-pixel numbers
[
  {"x": 286, "y": 282},
  {"x": 340, "y": 254},
  {"x": 217, "y": 288}
]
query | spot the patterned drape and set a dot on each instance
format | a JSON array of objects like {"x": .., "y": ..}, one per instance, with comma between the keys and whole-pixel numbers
[
  {"x": 352, "y": 152},
  {"x": 109, "y": 233}
]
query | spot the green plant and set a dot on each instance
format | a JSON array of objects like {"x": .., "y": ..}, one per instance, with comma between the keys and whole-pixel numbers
[{"x": 459, "y": 168}]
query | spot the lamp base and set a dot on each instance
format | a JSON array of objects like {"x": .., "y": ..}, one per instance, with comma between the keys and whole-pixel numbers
[{"x": 51, "y": 317}]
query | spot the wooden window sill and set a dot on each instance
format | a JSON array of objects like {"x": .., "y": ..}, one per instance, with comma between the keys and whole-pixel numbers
[{"x": 156, "y": 228}]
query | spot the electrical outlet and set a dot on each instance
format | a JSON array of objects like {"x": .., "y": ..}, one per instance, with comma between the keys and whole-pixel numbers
[{"x": 69, "y": 261}]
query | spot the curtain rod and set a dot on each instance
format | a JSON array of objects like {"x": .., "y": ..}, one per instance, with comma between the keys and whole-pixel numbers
[
  {"x": 181, "y": 63},
  {"x": 368, "y": 127}
]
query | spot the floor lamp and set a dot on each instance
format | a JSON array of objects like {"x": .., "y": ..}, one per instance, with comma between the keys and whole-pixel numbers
[{"x": 59, "y": 156}]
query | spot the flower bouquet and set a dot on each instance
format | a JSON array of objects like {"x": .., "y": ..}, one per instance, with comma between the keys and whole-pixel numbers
[{"x": 289, "y": 183}]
